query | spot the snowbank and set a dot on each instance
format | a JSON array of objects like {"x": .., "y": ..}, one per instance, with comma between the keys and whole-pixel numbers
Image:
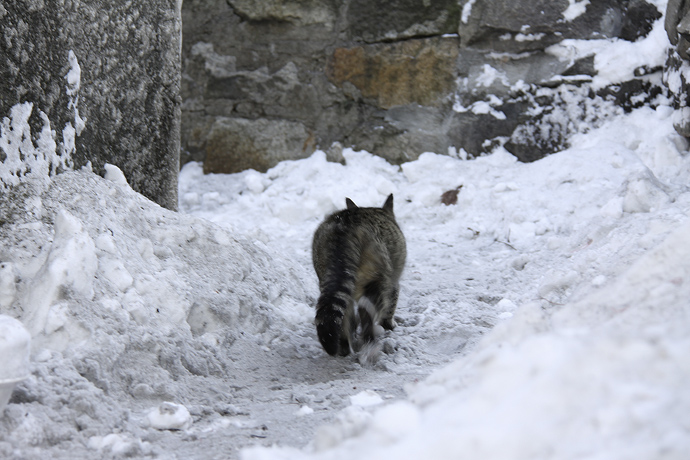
[
  {"x": 128, "y": 304},
  {"x": 135, "y": 269}
]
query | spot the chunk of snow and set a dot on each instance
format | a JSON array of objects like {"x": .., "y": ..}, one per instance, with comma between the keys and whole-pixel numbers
[
  {"x": 15, "y": 344},
  {"x": 71, "y": 264},
  {"x": 576, "y": 8},
  {"x": 114, "y": 174},
  {"x": 169, "y": 416},
  {"x": 467, "y": 11},
  {"x": 366, "y": 398},
  {"x": 73, "y": 76},
  {"x": 304, "y": 410}
]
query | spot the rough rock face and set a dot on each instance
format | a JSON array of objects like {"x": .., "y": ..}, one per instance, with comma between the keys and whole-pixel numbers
[
  {"x": 399, "y": 80},
  {"x": 677, "y": 71},
  {"x": 235, "y": 144},
  {"x": 122, "y": 94},
  {"x": 392, "y": 74},
  {"x": 534, "y": 24},
  {"x": 369, "y": 21}
]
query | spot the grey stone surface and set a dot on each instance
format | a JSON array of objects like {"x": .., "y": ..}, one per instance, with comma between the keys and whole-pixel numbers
[
  {"x": 236, "y": 144},
  {"x": 386, "y": 75},
  {"x": 527, "y": 25},
  {"x": 398, "y": 79},
  {"x": 371, "y": 22},
  {"x": 129, "y": 94},
  {"x": 298, "y": 12}
]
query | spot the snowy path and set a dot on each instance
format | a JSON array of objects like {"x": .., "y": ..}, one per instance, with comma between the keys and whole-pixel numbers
[{"x": 442, "y": 308}]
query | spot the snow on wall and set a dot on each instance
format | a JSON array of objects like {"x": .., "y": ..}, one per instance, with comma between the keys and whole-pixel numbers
[
  {"x": 22, "y": 157},
  {"x": 467, "y": 11},
  {"x": 27, "y": 154},
  {"x": 616, "y": 60},
  {"x": 575, "y": 9}
]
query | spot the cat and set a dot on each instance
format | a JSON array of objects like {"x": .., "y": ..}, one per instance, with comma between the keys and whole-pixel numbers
[{"x": 358, "y": 255}]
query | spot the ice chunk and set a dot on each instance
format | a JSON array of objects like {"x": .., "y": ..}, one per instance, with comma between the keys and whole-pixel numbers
[
  {"x": 170, "y": 416},
  {"x": 15, "y": 346},
  {"x": 115, "y": 174},
  {"x": 71, "y": 263},
  {"x": 575, "y": 9},
  {"x": 643, "y": 195},
  {"x": 117, "y": 444},
  {"x": 254, "y": 181},
  {"x": 506, "y": 305},
  {"x": 304, "y": 410},
  {"x": 366, "y": 398},
  {"x": 115, "y": 272}
]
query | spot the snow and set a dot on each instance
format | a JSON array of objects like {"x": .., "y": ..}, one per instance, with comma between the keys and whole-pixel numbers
[
  {"x": 170, "y": 416},
  {"x": 71, "y": 131},
  {"x": 23, "y": 159},
  {"x": 616, "y": 60},
  {"x": 73, "y": 75},
  {"x": 544, "y": 315},
  {"x": 575, "y": 9},
  {"x": 366, "y": 398},
  {"x": 14, "y": 348},
  {"x": 528, "y": 37},
  {"x": 467, "y": 11},
  {"x": 115, "y": 174},
  {"x": 489, "y": 75},
  {"x": 73, "y": 78}
]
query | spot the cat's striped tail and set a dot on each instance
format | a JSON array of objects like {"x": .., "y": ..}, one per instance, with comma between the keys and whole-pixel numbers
[{"x": 335, "y": 315}]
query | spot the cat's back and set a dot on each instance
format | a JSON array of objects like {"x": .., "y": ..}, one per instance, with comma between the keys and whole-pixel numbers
[{"x": 354, "y": 229}]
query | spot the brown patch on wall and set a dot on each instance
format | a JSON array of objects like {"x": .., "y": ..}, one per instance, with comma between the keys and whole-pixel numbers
[
  {"x": 418, "y": 71},
  {"x": 236, "y": 144},
  {"x": 229, "y": 152}
]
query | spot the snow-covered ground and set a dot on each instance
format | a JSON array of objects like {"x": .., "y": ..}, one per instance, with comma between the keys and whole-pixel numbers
[{"x": 546, "y": 314}]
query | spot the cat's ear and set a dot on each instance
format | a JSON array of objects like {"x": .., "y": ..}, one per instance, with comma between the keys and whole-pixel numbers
[
  {"x": 350, "y": 204},
  {"x": 388, "y": 205}
]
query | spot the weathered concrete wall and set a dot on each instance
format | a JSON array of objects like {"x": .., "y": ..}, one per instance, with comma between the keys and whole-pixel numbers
[
  {"x": 396, "y": 78},
  {"x": 129, "y": 89}
]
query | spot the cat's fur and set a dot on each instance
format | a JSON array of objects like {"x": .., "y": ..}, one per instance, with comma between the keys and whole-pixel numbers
[{"x": 359, "y": 255}]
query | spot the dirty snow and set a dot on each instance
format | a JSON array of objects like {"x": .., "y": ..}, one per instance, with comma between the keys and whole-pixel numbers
[{"x": 544, "y": 315}]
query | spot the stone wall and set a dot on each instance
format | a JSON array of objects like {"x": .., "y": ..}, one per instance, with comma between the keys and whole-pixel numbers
[
  {"x": 270, "y": 80},
  {"x": 677, "y": 69},
  {"x": 111, "y": 72}
]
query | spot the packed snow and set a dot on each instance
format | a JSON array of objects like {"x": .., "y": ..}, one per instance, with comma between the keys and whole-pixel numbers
[
  {"x": 575, "y": 9},
  {"x": 543, "y": 311}
]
